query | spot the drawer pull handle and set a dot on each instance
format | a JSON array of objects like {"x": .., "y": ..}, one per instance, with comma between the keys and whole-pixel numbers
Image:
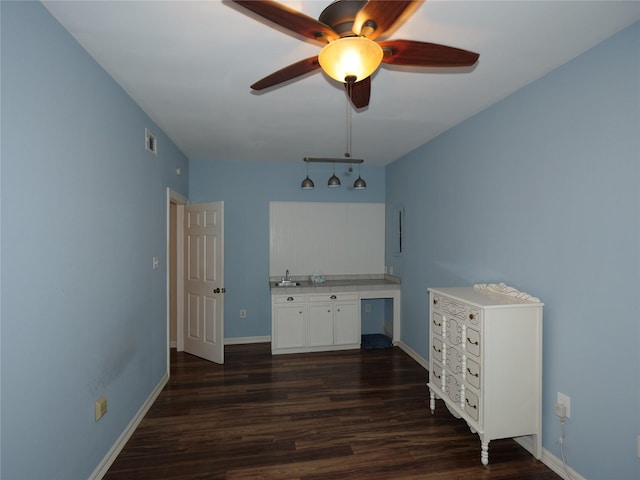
[
  {"x": 437, "y": 324},
  {"x": 437, "y": 349},
  {"x": 289, "y": 299},
  {"x": 475, "y": 407},
  {"x": 472, "y": 374},
  {"x": 435, "y": 301},
  {"x": 472, "y": 343},
  {"x": 471, "y": 316},
  {"x": 333, "y": 297}
]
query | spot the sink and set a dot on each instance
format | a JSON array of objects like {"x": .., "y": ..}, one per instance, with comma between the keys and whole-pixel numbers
[{"x": 287, "y": 283}]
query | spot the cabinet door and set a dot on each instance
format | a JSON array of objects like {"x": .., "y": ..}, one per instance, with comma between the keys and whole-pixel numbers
[
  {"x": 289, "y": 326},
  {"x": 320, "y": 324},
  {"x": 347, "y": 323}
]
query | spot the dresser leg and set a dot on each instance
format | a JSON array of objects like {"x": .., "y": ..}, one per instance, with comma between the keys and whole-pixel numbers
[
  {"x": 432, "y": 401},
  {"x": 484, "y": 454}
]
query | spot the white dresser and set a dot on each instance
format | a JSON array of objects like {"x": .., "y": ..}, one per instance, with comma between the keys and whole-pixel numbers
[{"x": 485, "y": 345}]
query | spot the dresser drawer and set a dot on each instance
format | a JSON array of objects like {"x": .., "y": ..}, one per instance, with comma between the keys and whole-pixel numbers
[
  {"x": 471, "y": 404},
  {"x": 473, "y": 342},
  {"x": 459, "y": 310},
  {"x": 472, "y": 372},
  {"x": 437, "y": 349},
  {"x": 437, "y": 323},
  {"x": 437, "y": 375}
]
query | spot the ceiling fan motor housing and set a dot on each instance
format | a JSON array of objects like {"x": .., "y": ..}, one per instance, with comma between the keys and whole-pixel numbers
[{"x": 341, "y": 14}]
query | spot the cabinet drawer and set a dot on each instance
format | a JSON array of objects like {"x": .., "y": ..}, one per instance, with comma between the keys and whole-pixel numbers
[
  {"x": 472, "y": 373},
  {"x": 473, "y": 342},
  {"x": 437, "y": 375},
  {"x": 471, "y": 404},
  {"x": 332, "y": 297},
  {"x": 289, "y": 299},
  {"x": 437, "y": 349},
  {"x": 436, "y": 323},
  {"x": 459, "y": 310}
]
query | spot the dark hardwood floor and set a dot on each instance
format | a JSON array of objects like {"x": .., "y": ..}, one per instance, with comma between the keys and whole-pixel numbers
[{"x": 339, "y": 415}]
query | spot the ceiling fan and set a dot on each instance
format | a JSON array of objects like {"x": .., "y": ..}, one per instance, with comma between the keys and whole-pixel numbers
[{"x": 349, "y": 29}]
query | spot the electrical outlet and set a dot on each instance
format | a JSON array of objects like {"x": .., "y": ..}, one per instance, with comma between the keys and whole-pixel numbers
[
  {"x": 563, "y": 405},
  {"x": 243, "y": 313}
]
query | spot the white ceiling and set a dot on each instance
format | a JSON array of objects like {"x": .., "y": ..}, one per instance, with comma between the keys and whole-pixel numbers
[{"x": 189, "y": 64}]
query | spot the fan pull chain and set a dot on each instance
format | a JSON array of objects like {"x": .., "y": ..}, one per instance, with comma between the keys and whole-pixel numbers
[{"x": 349, "y": 88}]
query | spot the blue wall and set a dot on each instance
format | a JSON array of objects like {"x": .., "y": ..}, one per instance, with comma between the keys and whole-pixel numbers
[
  {"x": 83, "y": 213},
  {"x": 542, "y": 192},
  {"x": 246, "y": 190}
]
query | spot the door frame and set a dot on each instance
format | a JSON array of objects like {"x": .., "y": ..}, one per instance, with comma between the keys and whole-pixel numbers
[{"x": 180, "y": 201}]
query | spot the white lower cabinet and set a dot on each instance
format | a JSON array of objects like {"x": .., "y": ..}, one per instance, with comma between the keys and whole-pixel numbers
[
  {"x": 347, "y": 322},
  {"x": 289, "y": 322},
  {"x": 485, "y": 346},
  {"x": 315, "y": 322},
  {"x": 320, "y": 324}
]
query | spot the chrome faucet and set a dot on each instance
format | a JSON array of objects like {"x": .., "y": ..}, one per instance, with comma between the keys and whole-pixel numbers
[{"x": 286, "y": 277}]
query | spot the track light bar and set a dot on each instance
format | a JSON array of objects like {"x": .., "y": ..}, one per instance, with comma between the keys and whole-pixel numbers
[{"x": 333, "y": 160}]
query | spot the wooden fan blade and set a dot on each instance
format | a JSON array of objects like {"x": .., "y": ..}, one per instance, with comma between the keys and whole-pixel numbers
[
  {"x": 385, "y": 15},
  {"x": 287, "y": 73},
  {"x": 290, "y": 19},
  {"x": 359, "y": 92},
  {"x": 422, "y": 54}
]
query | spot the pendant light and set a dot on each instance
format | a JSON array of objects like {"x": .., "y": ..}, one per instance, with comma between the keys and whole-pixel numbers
[
  {"x": 359, "y": 184},
  {"x": 334, "y": 181},
  {"x": 307, "y": 183}
]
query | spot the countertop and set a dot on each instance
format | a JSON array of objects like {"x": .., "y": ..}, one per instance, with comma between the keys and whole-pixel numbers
[{"x": 337, "y": 283}]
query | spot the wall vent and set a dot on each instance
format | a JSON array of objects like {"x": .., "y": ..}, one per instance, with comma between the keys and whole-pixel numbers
[{"x": 150, "y": 142}]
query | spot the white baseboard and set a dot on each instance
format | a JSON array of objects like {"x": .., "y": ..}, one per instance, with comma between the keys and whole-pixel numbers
[
  {"x": 413, "y": 354},
  {"x": 550, "y": 460},
  {"x": 245, "y": 340},
  {"x": 117, "y": 447}
]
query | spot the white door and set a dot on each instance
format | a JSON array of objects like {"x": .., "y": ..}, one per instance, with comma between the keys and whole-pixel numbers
[{"x": 204, "y": 280}]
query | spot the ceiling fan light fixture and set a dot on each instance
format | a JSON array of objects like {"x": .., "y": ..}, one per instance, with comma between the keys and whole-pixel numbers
[{"x": 349, "y": 57}]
